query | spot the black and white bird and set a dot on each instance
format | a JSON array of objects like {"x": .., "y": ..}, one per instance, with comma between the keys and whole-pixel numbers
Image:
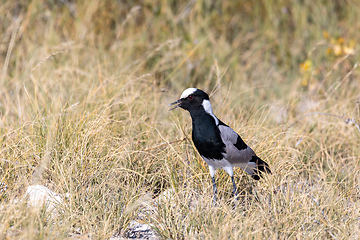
[{"x": 218, "y": 144}]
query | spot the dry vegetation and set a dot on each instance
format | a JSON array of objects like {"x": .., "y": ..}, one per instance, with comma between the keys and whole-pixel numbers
[{"x": 84, "y": 89}]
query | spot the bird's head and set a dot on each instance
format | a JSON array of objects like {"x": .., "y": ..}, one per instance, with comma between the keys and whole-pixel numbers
[{"x": 192, "y": 98}]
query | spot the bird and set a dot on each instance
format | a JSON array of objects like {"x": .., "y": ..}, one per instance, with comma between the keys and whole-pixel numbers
[{"x": 218, "y": 144}]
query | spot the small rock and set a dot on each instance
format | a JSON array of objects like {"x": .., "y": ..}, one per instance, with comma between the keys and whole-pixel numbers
[
  {"x": 39, "y": 196},
  {"x": 3, "y": 188},
  {"x": 140, "y": 231}
]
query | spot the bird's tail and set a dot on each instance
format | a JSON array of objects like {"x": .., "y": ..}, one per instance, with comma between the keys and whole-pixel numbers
[{"x": 261, "y": 167}]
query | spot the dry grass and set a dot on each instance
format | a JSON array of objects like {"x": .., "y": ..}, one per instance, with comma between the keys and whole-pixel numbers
[{"x": 84, "y": 90}]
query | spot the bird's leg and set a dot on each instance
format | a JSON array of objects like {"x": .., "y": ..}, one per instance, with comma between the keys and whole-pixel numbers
[
  {"x": 214, "y": 189},
  {"x": 235, "y": 192},
  {"x": 212, "y": 173},
  {"x": 229, "y": 170}
]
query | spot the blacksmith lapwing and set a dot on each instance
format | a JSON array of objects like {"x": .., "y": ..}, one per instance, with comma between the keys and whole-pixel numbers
[{"x": 218, "y": 144}]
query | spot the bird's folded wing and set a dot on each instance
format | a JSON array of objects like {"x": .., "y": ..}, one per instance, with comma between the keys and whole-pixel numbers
[{"x": 236, "y": 152}]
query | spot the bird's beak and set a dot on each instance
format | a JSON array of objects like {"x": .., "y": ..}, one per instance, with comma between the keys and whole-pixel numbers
[{"x": 176, "y": 103}]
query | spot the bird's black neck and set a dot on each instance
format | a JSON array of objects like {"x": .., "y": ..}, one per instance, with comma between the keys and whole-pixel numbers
[{"x": 199, "y": 116}]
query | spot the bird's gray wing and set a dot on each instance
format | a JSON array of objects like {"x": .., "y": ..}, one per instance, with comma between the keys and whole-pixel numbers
[{"x": 237, "y": 152}]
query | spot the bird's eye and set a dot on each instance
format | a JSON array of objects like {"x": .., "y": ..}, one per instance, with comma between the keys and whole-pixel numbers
[{"x": 190, "y": 97}]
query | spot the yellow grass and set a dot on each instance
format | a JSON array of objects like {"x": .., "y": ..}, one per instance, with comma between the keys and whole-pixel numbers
[{"x": 84, "y": 89}]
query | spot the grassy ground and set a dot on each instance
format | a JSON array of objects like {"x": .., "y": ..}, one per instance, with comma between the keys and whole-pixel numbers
[{"x": 84, "y": 90}]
